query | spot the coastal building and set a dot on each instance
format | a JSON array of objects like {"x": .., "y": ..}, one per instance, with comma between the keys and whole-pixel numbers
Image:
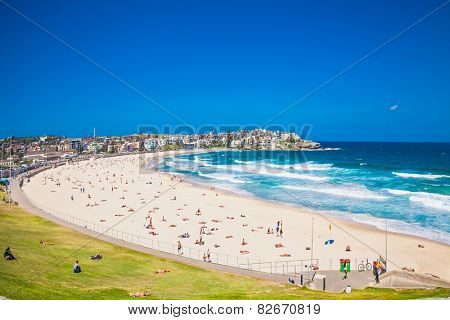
[{"x": 76, "y": 144}]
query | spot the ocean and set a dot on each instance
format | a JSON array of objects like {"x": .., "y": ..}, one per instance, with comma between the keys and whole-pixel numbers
[{"x": 406, "y": 185}]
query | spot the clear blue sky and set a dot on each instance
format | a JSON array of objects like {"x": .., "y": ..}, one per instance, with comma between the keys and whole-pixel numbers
[{"x": 226, "y": 62}]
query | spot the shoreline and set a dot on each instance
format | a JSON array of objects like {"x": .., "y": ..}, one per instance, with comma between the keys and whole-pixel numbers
[
  {"x": 328, "y": 213},
  {"x": 258, "y": 212},
  {"x": 332, "y": 214}
]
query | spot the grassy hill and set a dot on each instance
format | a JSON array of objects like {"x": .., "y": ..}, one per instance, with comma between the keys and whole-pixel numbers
[{"x": 45, "y": 271}]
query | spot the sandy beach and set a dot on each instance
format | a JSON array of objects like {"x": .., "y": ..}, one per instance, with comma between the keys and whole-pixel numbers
[{"x": 163, "y": 207}]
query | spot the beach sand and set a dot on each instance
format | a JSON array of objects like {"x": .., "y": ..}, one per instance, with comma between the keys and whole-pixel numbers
[{"x": 121, "y": 188}]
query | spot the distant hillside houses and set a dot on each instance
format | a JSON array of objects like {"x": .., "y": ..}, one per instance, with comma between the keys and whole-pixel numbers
[
  {"x": 257, "y": 139},
  {"x": 52, "y": 148}
]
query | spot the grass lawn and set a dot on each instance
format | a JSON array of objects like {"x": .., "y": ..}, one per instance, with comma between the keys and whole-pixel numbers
[
  {"x": 45, "y": 271},
  {"x": 3, "y": 196}
]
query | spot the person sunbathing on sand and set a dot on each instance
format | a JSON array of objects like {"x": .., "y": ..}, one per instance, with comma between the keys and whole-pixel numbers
[
  {"x": 408, "y": 269},
  {"x": 279, "y": 245},
  {"x": 347, "y": 248},
  {"x": 244, "y": 252},
  {"x": 243, "y": 242}
]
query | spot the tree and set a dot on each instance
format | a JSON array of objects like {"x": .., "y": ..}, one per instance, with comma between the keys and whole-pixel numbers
[{"x": 229, "y": 138}]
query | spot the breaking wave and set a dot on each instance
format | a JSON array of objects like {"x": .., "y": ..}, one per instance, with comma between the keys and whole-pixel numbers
[{"x": 348, "y": 192}]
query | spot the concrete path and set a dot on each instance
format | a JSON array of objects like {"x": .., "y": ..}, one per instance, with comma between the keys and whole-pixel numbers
[{"x": 335, "y": 283}]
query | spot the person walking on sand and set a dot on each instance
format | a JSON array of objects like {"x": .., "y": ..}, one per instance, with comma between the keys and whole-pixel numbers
[{"x": 179, "y": 247}]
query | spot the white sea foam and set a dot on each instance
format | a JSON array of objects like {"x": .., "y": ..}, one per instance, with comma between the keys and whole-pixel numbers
[
  {"x": 290, "y": 175},
  {"x": 222, "y": 177},
  {"x": 323, "y": 149},
  {"x": 427, "y": 199},
  {"x": 263, "y": 170},
  {"x": 201, "y": 162},
  {"x": 359, "y": 192},
  {"x": 306, "y": 166},
  {"x": 398, "y": 226},
  {"x": 428, "y": 176}
]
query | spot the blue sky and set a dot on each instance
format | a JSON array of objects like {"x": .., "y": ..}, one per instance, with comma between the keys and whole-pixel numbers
[{"x": 226, "y": 62}]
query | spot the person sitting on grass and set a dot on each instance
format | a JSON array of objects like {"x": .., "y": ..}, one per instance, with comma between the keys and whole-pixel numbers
[
  {"x": 8, "y": 255},
  {"x": 76, "y": 267}
]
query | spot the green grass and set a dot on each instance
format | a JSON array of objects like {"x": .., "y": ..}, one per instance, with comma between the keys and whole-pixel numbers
[
  {"x": 45, "y": 271},
  {"x": 3, "y": 196}
]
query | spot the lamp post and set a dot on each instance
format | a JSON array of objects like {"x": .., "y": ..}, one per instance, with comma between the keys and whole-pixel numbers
[
  {"x": 10, "y": 169},
  {"x": 386, "y": 244},
  {"x": 312, "y": 249}
]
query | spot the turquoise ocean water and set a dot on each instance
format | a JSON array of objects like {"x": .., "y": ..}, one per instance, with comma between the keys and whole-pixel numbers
[{"x": 406, "y": 183}]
